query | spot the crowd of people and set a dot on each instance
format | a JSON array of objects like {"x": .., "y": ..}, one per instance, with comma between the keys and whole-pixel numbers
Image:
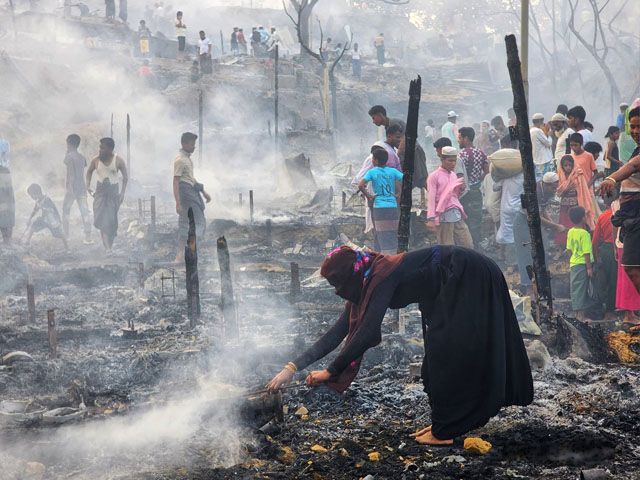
[{"x": 479, "y": 174}]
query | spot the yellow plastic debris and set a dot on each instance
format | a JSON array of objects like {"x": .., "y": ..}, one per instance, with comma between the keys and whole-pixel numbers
[
  {"x": 301, "y": 411},
  {"x": 286, "y": 456},
  {"x": 344, "y": 452},
  {"x": 319, "y": 449},
  {"x": 476, "y": 445},
  {"x": 305, "y": 417},
  {"x": 374, "y": 456}
]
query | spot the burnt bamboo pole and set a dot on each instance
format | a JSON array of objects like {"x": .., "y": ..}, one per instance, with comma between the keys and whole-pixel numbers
[
  {"x": 153, "y": 214},
  {"x": 191, "y": 264},
  {"x": 31, "y": 302},
  {"x": 529, "y": 198},
  {"x": 200, "y": 124},
  {"x": 227, "y": 304},
  {"x": 51, "y": 327},
  {"x": 277, "y": 96},
  {"x": 251, "y": 205},
  {"x": 221, "y": 42},
  {"x": 128, "y": 145},
  {"x": 411, "y": 134},
  {"x": 295, "y": 280}
]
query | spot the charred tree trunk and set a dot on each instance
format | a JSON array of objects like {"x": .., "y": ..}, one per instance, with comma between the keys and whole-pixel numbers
[
  {"x": 529, "y": 198},
  {"x": 226, "y": 290},
  {"x": 193, "y": 282},
  {"x": 409, "y": 154}
]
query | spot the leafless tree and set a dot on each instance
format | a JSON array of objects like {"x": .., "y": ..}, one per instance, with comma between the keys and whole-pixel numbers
[{"x": 597, "y": 45}]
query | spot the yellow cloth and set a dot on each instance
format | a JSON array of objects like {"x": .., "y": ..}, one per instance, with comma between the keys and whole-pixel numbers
[
  {"x": 144, "y": 45},
  {"x": 579, "y": 242},
  {"x": 476, "y": 445}
]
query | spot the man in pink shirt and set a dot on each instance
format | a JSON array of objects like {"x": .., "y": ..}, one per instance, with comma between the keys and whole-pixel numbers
[{"x": 445, "y": 214}]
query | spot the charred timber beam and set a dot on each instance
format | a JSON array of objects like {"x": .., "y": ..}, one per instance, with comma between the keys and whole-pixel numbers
[
  {"x": 227, "y": 304},
  {"x": 295, "y": 280},
  {"x": 191, "y": 264},
  {"x": 529, "y": 198},
  {"x": 51, "y": 326},
  {"x": 411, "y": 134}
]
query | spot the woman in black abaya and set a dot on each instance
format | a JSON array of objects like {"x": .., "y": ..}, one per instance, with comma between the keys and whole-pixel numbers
[{"x": 475, "y": 361}]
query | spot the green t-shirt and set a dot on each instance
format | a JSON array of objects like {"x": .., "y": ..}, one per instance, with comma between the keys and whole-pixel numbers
[{"x": 579, "y": 242}]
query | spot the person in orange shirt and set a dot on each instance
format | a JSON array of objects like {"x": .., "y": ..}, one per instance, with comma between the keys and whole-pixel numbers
[
  {"x": 583, "y": 159},
  {"x": 606, "y": 275}
]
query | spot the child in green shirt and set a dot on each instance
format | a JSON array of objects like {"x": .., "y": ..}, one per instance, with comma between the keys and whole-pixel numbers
[{"x": 579, "y": 244}]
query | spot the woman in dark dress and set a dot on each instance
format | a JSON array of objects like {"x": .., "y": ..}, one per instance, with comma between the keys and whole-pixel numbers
[{"x": 475, "y": 361}]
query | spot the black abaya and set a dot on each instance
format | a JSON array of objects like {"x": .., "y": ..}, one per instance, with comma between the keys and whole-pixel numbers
[{"x": 475, "y": 361}]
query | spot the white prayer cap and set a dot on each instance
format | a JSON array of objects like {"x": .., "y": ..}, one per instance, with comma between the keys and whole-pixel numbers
[
  {"x": 538, "y": 116},
  {"x": 449, "y": 152},
  {"x": 550, "y": 177},
  {"x": 623, "y": 104},
  {"x": 558, "y": 117},
  {"x": 452, "y": 113}
]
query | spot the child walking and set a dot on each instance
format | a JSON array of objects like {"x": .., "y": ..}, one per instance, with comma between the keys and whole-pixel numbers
[
  {"x": 579, "y": 245},
  {"x": 385, "y": 182}
]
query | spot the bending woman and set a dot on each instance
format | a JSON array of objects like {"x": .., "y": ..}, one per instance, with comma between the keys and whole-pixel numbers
[{"x": 475, "y": 361}]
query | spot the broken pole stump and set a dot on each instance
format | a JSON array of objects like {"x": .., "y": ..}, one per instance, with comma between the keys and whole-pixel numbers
[
  {"x": 277, "y": 98},
  {"x": 251, "y": 204},
  {"x": 221, "y": 42},
  {"x": 141, "y": 275},
  {"x": 153, "y": 214},
  {"x": 295, "y": 280},
  {"x": 51, "y": 326},
  {"x": 128, "y": 145},
  {"x": 227, "y": 304},
  {"x": 529, "y": 198},
  {"x": 31, "y": 302},
  {"x": 192, "y": 280},
  {"x": 269, "y": 232},
  {"x": 411, "y": 134},
  {"x": 200, "y": 124}
]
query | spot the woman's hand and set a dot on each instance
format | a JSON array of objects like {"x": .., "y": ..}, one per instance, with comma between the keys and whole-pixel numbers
[
  {"x": 280, "y": 380},
  {"x": 318, "y": 377}
]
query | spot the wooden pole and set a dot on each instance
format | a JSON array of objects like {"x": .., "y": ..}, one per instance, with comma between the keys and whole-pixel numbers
[
  {"x": 524, "y": 45},
  {"x": 227, "y": 304},
  {"x": 529, "y": 198},
  {"x": 51, "y": 326},
  {"x": 153, "y": 213},
  {"x": 31, "y": 302},
  {"x": 251, "y": 205},
  {"x": 295, "y": 280},
  {"x": 111, "y": 126},
  {"x": 200, "y": 124},
  {"x": 128, "y": 145},
  {"x": 240, "y": 199},
  {"x": 277, "y": 96},
  {"x": 221, "y": 42},
  {"x": 191, "y": 264},
  {"x": 411, "y": 134},
  {"x": 269, "y": 232},
  {"x": 141, "y": 275}
]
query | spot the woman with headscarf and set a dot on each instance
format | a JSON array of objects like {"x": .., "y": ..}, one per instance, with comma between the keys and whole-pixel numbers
[
  {"x": 573, "y": 190},
  {"x": 475, "y": 361}
]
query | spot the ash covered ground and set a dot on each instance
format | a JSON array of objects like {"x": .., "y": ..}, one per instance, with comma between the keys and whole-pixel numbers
[{"x": 174, "y": 402}]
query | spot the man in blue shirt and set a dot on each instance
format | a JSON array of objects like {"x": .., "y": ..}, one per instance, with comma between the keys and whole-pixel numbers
[{"x": 620, "y": 119}]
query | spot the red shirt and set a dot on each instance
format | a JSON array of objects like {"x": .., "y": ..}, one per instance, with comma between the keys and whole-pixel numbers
[{"x": 603, "y": 231}]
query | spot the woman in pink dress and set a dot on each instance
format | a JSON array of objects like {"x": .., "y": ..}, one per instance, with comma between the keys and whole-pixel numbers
[{"x": 627, "y": 298}]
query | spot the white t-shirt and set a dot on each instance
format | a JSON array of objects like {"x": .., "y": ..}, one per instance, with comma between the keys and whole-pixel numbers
[
  {"x": 429, "y": 132},
  {"x": 203, "y": 45},
  {"x": 587, "y": 136},
  {"x": 561, "y": 145},
  {"x": 541, "y": 146},
  {"x": 355, "y": 55}
]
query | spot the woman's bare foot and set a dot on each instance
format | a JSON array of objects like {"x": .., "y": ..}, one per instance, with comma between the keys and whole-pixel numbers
[
  {"x": 630, "y": 318},
  {"x": 429, "y": 439},
  {"x": 421, "y": 432}
]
